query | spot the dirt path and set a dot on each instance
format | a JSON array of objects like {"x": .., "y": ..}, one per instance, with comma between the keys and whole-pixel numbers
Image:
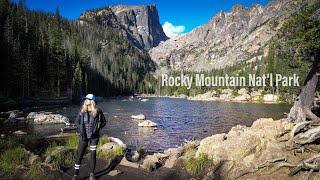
[{"x": 162, "y": 173}]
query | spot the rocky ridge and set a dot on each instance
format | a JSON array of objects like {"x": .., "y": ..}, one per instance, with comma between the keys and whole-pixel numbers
[
  {"x": 140, "y": 24},
  {"x": 229, "y": 37}
]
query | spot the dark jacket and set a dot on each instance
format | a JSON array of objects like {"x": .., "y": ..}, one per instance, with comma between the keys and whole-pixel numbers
[{"x": 96, "y": 124}]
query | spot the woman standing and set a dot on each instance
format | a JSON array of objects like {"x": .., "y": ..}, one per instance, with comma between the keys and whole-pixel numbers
[{"x": 89, "y": 122}]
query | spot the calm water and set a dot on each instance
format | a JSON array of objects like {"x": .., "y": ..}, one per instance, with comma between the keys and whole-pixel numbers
[{"x": 177, "y": 119}]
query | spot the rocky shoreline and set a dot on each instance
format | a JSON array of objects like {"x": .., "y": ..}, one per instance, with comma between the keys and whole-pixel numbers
[
  {"x": 262, "y": 150},
  {"x": 228, "y": 95},
  {"x": 241, "y": 95}
]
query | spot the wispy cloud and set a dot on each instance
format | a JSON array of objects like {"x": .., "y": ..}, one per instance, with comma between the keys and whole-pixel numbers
[{"x": 171, "y": 30}]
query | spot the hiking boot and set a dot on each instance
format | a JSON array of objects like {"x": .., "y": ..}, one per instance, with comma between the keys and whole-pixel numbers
[
  {"x": 75, "y": 177},
  {"x": 92, "y": 177}
]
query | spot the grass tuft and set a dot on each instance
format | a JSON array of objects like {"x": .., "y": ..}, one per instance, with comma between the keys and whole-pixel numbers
[
  {"x": 107, "y": 155},
  {"x": 11, "y": 158},
  {"x": 142, "y": 152},
  {"x": 72, "y": 142},
  {"x": 51, "y": 147},
  {"x": 120, "y": 150},
  {"x": 64, "y": 160},
  {"x": 149, "y": 166},
  {"x": 35, "y": 172},
  {"x": 9, "y": 143},
  {"x": 196, "y": 165},
  {"x": 102, "y": 140}
]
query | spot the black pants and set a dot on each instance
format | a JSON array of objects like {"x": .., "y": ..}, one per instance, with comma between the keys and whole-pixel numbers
[{"x": 81, "y": 151}]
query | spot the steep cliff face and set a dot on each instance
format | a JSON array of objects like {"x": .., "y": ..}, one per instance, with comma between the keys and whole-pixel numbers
[
  {"x": 227, "y": 38},
  {"x": 140, "y": 24}
]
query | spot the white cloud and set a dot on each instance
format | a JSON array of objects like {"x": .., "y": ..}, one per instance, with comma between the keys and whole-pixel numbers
[{"x": 172, "y": 30}]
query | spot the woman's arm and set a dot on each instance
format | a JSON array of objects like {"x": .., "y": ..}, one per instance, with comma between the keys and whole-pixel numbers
[
  {"x": 102, "y": 120},
  {"x": 77, "y": 122}
]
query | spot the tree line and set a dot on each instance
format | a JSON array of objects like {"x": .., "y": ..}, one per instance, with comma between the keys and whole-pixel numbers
[{"x": 46, "y": 55}]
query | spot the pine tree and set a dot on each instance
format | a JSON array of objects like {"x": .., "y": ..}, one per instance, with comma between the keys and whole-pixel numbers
[
  {"x": 57, "y": 52},
  {"x": 77, "y": 81}
]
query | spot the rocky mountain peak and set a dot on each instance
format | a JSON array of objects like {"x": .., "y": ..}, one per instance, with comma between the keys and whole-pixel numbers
[
  {"x": 229, "y": 37},
  {"x": 237, "y": 8},
  {"x": 140, "y": 24}
]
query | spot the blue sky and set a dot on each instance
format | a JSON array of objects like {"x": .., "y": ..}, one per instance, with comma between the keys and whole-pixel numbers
[{"x": 181, "y": 15}]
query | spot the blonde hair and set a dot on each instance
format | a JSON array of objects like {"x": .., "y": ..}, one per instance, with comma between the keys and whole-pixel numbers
[{"x": 91, "y": 106}]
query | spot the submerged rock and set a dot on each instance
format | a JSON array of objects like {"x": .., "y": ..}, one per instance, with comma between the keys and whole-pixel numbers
[
  {"x": 19, "y": 132},
  {"x": 139, "y": 117},
  {"x": 147, "y": 123},
  {"x": 15, "y": 118}
]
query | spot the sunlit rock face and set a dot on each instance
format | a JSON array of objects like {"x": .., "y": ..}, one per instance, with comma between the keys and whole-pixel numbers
[
  {"x": 140, "y": 24},
  {"x": 229, "y": 37}
]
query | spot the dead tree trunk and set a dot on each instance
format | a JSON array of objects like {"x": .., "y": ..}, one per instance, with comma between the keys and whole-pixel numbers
[{"x": 301, "y": 110}]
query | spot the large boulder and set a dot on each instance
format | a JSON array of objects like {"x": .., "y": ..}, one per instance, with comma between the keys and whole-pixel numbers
[
  {"x": 15, "y": 118},
  {"x": 150, "y": 162},
  {"x": 32, "y": 115},
  {"x": 15, "y": 114},
  {"x": 243, "y": 149},
  {"x": 108, "y": 146},
  {"x": 174, "y": 154},
  {"x": 48, "y": 118},
  {"x": 241, "y": 140},
  {"x": 221, "y": 149},
  {"x": 59, "y": 150}
]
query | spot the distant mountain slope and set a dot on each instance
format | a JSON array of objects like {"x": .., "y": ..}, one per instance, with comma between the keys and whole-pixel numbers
[
  {"x": 140, "y": 24},
  {"x": 227, "y": 38}
]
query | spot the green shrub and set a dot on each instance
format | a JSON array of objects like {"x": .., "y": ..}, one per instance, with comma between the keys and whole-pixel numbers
[
  {"x": 64, "y": 160},
  {"x": 72, "y": 142},
  {"x": 108, "y": 155},
  {"x": 102, "y": 140},
  {"x": 196, "y": 165},
  {"x": 120, "y": 150},
  {"x": 9, "y": 143},
  {"x": 142, "y": 152},
  {"x": 149, "y": 166},
  {"x": 189, "y": 149},
  {"x": 35, "y": 172},
  {"x": 11, "y": 158}
]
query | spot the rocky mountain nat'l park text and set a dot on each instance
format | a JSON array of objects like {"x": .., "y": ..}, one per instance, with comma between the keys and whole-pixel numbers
[
  {"x": 159, "y": 89},
  {"x": 232, "y": 81}
]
